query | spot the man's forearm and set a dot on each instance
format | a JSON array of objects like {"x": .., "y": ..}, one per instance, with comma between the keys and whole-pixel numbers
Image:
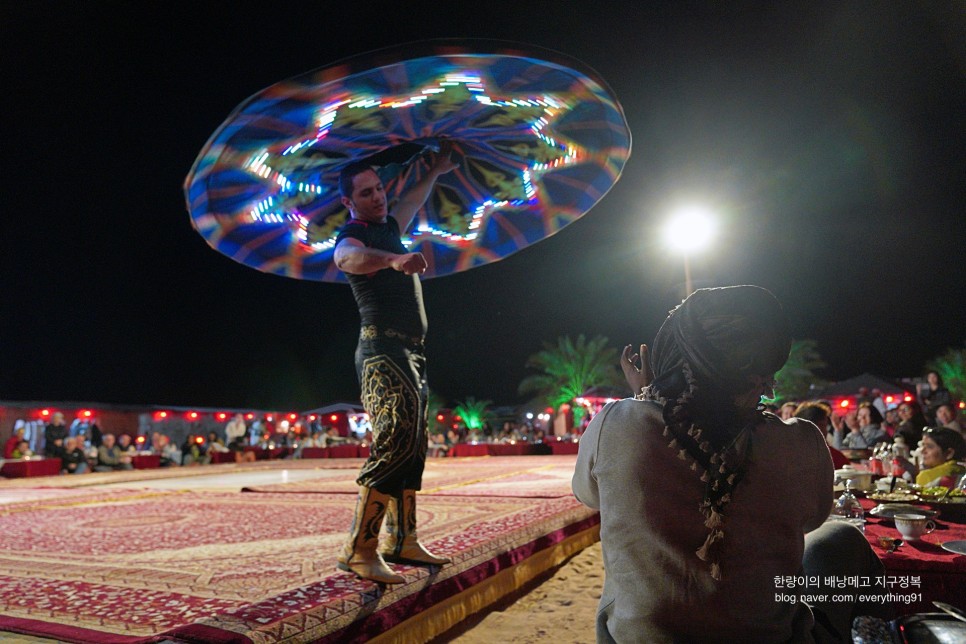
[
  {"x": 414, "y": 198},
  {"x": 362, "y": 261}
]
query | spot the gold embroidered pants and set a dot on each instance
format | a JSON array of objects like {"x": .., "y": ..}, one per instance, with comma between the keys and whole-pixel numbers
[{"x": 392, "y": 374}]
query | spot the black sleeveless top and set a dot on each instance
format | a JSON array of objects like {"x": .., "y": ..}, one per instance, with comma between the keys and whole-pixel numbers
[{"x": 387, "y": 298}]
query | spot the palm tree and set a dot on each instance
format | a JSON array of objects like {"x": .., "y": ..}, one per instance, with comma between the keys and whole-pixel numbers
[
  {"x": 434, "y": 403},
  {"x": 570, "y": 368},
  {"x": 951, "y": 367},
  {"x": 794, "y": 379},
  {"x": 473, "y": 412}
]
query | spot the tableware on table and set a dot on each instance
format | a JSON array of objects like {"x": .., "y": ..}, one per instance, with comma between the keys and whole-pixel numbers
[
  {"x": 889, "y": 544},
  {"x": 861, "y": 479},
  {"x": 888, "y": 484},
  {"x": 894, "y": 497},
  {"x": 848, "y": 508},
  {"x": 956, "y": 547},
  {"x": 913, "y": 526},
  {"x": 890, "y": 510}
]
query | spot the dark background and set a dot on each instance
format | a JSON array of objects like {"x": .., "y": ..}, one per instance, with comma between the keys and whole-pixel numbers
[{"x": 827, "y": 136}]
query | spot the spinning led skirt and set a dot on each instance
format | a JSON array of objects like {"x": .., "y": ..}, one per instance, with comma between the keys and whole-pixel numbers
[{"x": 540, "y": 140}]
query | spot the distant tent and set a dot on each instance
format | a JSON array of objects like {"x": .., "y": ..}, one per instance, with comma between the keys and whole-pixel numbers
[
  {"x": 869, "y": 381},
  {"x": 336, "y": 408}
]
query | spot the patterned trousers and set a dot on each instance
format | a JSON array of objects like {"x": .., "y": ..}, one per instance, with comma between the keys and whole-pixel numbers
[{"x": 392, "y": 374}]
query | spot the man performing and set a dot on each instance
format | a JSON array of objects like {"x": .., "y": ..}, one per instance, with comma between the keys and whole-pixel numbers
[{"x": 391, "y": 365}]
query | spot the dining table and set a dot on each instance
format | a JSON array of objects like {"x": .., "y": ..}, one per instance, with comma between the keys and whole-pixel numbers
[
  {"x": 146, "y": 461},
  {"x": 926, "y": 569},
  {"x": 30, "y": 467}
]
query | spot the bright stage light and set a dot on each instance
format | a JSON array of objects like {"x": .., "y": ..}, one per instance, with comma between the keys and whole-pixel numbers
[{"x": 690, "y": 229}]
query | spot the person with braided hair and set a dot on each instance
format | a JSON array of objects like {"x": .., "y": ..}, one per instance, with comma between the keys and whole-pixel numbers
[{"x": 699, "y": 514}]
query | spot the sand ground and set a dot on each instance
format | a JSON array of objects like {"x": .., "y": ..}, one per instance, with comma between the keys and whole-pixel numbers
[{"x": 559, "y": 606}]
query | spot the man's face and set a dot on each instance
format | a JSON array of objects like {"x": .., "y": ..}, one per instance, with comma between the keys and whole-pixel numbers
[
  {"x": 109, "y": 440},
  {"x": 864, "y": 416},
  {"x": 368, "y": 201},
  {"x": 932, "y": 379},
  {"x": 944, "y": 414},
  {"x": 905, "y": 412}
]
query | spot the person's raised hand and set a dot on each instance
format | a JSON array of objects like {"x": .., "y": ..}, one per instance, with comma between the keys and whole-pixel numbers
[
  {"x": 443, "y": 160},
  {"x": 636, "y": 368}
]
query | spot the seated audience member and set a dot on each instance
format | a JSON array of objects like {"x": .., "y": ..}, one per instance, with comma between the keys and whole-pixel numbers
[
  {"x": 695, "y": 461},
  {"x": 911, "y": 423},
  {"x": 946, "y": 416},
  {"x": 54, "y": 435},
  {"x": 890, "y": 421},
  {"x": 868, "y": 434},
  {"x": 74, "y": 461},
  {"x": 215, "y": 444},
  {"x": 154, "y": 443},
  {"x": 14, "y": 441},
  {"x": 237, "y": 446},
  {"x": 236, "y": 427},
  {"x": 332, "y": 437},
  {"x": 842, "y": 425},
  {"x": 126, "y": 445},
  {"x": 170, "y": 454},
  {"x": 194, "y": 451},
  {"x": 941, "y": 449},
  {"x": 818, "y": 413},
  {"x": 21, "y": 450},
  {"x": 110, "y": 457},
  {"x": 787, "y": 410},
  {"x": 936, "y": 395}
]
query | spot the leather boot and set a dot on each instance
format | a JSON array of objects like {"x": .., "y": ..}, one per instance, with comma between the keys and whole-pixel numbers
[
  {"x": 359, "y": 554},
  {"x": 402, "y": 546}
]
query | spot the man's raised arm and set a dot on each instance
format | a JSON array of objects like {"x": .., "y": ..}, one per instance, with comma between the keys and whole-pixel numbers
[{"x": 414, "y": 198}]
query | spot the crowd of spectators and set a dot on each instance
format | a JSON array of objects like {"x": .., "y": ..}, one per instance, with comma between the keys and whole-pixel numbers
[
  {"x": 920, "y": 439},
  {"x": 871, "y": 424}
]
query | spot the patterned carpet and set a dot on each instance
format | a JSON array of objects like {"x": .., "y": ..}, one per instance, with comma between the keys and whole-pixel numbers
[
  {"x": 530, "y": 476},
  {"x": 151, "y": 565}
]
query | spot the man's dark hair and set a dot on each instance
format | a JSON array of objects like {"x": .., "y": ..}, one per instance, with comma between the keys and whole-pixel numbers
[
  {"x": 348, "y": 174},
  {"x": 813, "y": 411}
]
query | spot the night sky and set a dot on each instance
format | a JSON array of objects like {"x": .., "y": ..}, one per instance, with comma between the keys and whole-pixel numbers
[{"x": 828, "y": 137}]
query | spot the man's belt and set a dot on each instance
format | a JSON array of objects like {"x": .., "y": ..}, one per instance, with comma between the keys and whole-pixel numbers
[{"x": 371, "y": 332}]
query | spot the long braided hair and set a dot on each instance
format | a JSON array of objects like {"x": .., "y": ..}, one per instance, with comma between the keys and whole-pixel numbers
[{"x": 706, "y": 353}]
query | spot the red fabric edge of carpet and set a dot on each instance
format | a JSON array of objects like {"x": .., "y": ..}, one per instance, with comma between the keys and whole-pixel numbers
[
  {"x": 190, "y": 634},
  {"x": 383, "y": 620}
]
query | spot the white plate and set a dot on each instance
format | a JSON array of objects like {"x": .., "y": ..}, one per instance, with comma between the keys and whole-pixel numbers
[
  {"x": 890, "y": 510},
  {"x": 958, "y": 547}
]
